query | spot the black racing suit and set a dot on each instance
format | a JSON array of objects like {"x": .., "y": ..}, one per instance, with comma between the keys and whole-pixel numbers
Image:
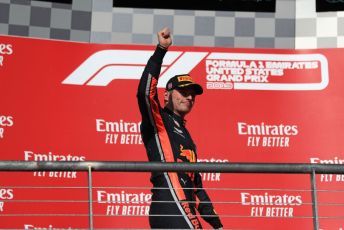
[{"x": 176, "y": 196}]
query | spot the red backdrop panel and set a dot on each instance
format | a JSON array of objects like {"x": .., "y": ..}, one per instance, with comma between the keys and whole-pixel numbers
[{"x": 66, "y": 101}]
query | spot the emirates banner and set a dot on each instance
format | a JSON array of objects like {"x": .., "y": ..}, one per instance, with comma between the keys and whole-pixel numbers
[{"x": 67, "y": 101}]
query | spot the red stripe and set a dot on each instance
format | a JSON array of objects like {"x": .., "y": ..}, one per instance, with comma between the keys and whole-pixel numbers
[{"x": 164, "y": 140}]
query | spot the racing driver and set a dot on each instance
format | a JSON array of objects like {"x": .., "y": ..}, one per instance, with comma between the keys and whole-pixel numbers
[{"x": 178, "y": 198}]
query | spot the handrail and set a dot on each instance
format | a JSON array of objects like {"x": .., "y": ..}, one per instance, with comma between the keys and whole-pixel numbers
[{"x": 139, "y": 166}]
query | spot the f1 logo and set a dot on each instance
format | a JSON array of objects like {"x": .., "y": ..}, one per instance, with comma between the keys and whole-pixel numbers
[{"x": 103, "y": 67}]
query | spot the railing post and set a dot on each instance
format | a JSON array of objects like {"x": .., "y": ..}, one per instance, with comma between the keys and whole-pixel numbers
[
  {"x": 90, "y": 200},
  {"x": 314, "y": 201}
]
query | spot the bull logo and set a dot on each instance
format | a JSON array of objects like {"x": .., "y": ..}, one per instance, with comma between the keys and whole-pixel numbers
[{"x": 188, "y": 153}]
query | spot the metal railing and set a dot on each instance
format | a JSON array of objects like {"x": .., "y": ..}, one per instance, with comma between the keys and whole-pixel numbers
[{"x": 107, "y": 166}]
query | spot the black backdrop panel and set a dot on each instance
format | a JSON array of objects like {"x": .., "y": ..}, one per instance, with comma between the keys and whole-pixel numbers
[
  {"x": 329, "y": 5},
  {"x": 217, "y": 5}
]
